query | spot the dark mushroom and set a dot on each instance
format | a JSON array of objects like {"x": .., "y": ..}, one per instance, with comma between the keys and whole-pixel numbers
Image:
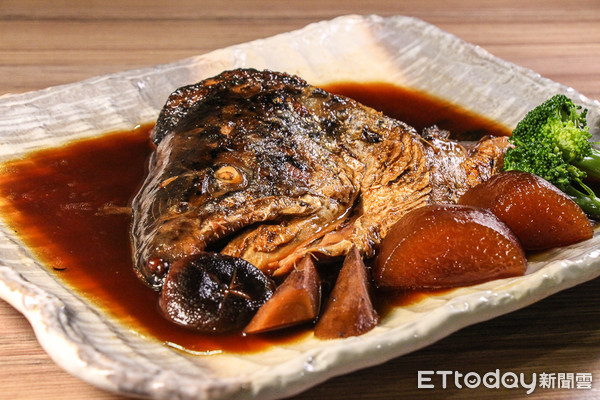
[{"x": 211, "y": 292}]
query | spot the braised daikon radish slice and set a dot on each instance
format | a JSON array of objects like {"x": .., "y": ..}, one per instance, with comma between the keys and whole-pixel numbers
[
  {"x": 537, "y": 212},
  {"x": 295, "y": 301},
  {"x": 438, "y": 246},
  {"x": 349, "y": 310}
]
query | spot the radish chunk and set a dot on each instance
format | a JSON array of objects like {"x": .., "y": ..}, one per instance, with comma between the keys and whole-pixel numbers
[
  {"x": 295, "y": 301},
  {"x": 537, "y": 212},
  {"x": 349, "y": 311},
  {"x": 438, "y": 246}
]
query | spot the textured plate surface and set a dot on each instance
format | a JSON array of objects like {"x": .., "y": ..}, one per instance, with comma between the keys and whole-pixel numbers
[{"x": 399, "y": 50}]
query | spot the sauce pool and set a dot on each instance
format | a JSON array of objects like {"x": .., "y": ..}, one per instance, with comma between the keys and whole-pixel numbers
[
  {"x": 420, "y": 110},
  {"x": 70, "y": 206}
]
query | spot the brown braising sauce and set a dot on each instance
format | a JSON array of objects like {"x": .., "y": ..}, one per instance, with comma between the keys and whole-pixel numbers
[
  {"x": 71, "y": 206},
  {"x": 420, "y": 110}
]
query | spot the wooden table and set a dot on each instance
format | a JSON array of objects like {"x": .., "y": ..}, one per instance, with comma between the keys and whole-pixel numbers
[{"x": 45, "y": 43}]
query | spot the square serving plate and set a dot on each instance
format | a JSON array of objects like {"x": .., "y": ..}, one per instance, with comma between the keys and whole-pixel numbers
[{"x": 398, "y": 50}]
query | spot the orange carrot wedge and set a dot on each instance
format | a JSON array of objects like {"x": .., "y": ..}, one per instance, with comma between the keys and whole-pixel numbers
[
  {"x": 349, "y": 311},
  {"x": 295, "y": 301},
  {"x": 537, "y": 212}
]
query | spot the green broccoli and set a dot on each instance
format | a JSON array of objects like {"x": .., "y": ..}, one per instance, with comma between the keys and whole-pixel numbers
[{"x": 552, "y": 141}]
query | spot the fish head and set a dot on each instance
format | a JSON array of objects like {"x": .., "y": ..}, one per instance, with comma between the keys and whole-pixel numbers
[{"x": 231, "y": 168}]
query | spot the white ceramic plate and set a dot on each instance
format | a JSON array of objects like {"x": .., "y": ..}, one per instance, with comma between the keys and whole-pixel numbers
[{"x": 399, "y": 50}]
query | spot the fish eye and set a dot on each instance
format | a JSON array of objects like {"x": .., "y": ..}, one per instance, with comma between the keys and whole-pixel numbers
[
  {"x": 229, "y": 175},
  {"x": 225, "y": 179}
]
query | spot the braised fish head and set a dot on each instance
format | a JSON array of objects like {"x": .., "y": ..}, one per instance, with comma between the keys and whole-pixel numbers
[{"x": 247, "y": 150}]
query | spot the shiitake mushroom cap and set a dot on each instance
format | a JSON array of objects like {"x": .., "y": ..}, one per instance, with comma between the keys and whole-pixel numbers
[{"x": 214, "y": 293}]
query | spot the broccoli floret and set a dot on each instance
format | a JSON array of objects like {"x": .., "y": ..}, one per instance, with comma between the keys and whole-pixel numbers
[{"x": 553, "y": 141}]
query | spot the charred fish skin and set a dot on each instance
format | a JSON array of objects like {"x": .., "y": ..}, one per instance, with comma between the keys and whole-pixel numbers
[{"x": 188, "y": 106}]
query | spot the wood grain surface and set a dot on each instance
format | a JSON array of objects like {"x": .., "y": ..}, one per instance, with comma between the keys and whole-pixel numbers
[{"x": 46, "y": 43}]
